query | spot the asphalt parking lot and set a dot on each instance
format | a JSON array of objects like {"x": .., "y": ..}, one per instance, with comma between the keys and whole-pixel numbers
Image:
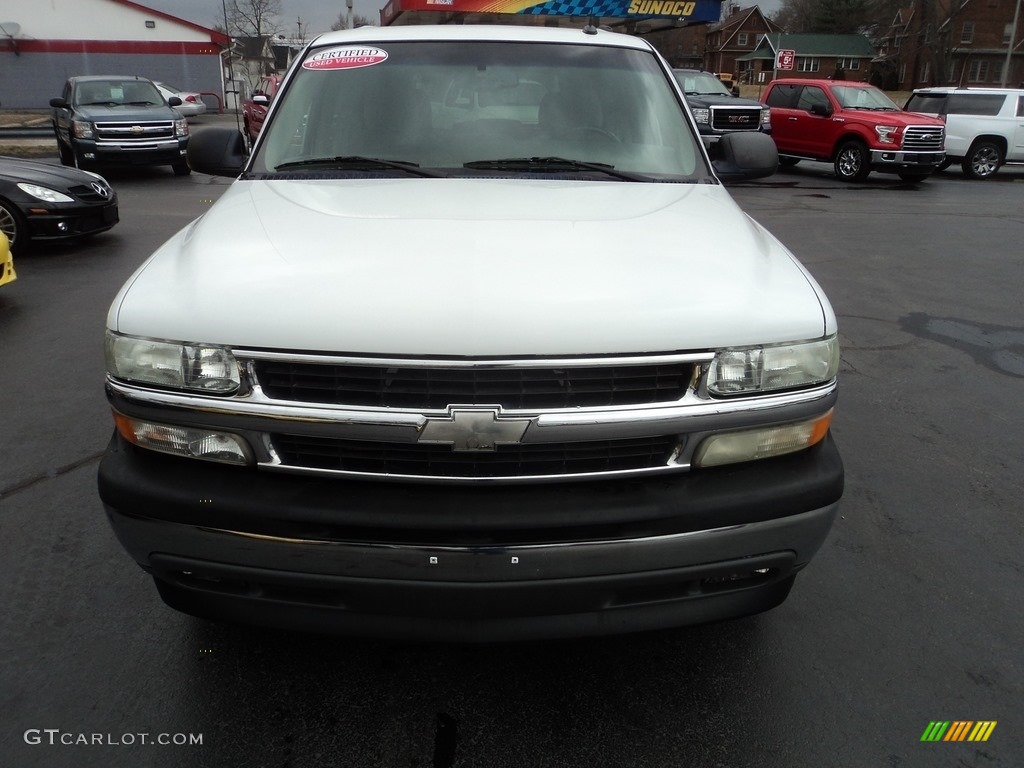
[{"x": 910, "y": 614}]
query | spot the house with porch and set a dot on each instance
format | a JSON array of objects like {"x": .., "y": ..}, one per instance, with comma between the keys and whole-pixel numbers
[{"x": 845, "y": 57}]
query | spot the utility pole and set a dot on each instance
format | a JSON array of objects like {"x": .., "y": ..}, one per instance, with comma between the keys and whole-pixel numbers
[
  {"x": 231, "y": 72},
  {"x": 1009, "y": 48}
]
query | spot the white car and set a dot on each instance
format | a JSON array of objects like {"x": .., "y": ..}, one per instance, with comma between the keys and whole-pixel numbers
[
  {"x": 192, "y": 103},
  {"x": 476, "y": 346}
]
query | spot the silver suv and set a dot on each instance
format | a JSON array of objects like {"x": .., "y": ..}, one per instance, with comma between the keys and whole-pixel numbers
[{"x": 984, "y": 126}]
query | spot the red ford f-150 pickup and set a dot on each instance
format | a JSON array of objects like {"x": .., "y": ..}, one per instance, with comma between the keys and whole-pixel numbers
[{"x": 854, "y": 126}]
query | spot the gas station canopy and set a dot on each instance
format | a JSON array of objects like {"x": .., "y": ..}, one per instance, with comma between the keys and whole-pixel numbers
[{"x": 550, "y": 13}]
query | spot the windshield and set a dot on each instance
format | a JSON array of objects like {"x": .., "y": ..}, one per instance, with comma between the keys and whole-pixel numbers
[
  {"x": 469, "y": 108},
  {"x": 115, "y": 92},
  {"x": 700, "y": 83},
  {"x": 851, "y": 97}
]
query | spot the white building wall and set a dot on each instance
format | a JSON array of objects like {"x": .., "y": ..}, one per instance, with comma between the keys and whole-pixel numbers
[
  {"x": 93, "y": 20},
  {"x": 57, "y": 39}
]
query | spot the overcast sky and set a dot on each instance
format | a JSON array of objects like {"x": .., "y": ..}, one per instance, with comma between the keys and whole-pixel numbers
[{"x": 317, "y": 15}]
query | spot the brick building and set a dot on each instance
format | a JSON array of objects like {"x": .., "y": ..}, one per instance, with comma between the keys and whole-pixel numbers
[
  {"x": 713, "y": 47},
  {"x": 952, "y": 42}
]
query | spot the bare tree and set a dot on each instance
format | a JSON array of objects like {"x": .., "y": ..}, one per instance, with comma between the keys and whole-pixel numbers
[
  {"x": 796, "y": 16},
  {"x": 836, "y": 17},
  {"x": 842, "y": 17},
  {"x": 254, "y": 18},
  {"x": 932, "y": 51},
  {"x": 358, "y": 20}
]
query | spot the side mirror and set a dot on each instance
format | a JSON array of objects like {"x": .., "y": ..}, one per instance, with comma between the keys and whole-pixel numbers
[
  {"x": 58, "y": 103},
  {"x": 174, "y": 101},
  {"x": 217, "y": 151},
  {"x": 260, "y": 98},
  {"x": 743, "y": 156},
  {"x": 821, "y": 110}
]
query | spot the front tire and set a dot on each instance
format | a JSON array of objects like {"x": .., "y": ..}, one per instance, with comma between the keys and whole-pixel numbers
[
  {"x": 67, "y": 154},
  {"x": 982, "y": 160},
  {"x": 13, "y": 224},
  {"x": 853, "y": 163},
  {"x": 181, "y": 169}
]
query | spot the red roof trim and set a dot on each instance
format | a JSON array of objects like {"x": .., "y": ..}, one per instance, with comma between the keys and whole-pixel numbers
[{"x": 118, "y": 46}]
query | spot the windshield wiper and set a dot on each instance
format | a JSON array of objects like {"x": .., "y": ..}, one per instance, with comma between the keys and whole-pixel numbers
[
  {"x": 552, "y": 165},
  {"x": 357, "y": 162}
]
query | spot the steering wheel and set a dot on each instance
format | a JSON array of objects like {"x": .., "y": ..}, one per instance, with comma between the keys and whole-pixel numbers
[{"x": 594, "y": 130}]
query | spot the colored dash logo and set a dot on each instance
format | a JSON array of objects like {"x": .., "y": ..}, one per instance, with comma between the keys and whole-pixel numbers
[{"x": 958, "y": 730}]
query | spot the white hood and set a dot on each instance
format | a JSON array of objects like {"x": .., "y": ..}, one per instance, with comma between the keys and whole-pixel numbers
[{"x": 473, "y": 267}]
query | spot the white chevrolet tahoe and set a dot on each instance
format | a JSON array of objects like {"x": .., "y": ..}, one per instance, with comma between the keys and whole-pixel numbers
[
  {"x": 984, "y": 126},
  {"x": 477, "y": 346}
]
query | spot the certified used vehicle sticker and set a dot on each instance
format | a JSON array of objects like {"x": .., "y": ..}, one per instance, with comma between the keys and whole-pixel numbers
[{"x": 347, "y": 57}]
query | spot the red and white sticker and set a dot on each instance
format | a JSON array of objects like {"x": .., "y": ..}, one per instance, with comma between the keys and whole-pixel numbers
[{"x": 349, "y": 57}]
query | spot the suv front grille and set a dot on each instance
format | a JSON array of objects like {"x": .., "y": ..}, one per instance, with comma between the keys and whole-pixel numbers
[
  {"x": 440, "y": 461},
  {"x": 129, "y": 133},
  {"x": 924, "y": 138},
  {"x": 511, "y": 387},
  {"x": 736, "y": 118}
]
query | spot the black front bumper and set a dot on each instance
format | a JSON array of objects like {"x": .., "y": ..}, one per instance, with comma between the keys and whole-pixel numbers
[
  {"x": 78, "y": 221},
  {"x": 471, "y": 563}
]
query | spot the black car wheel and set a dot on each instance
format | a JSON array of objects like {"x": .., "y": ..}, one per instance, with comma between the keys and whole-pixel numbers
[
  {"x": 78, "y": 162},
  {"x": 852, "y": 161},
  {"x": 788, "y": 162},
  {"x": 181, "y": 169},
  {"x": 67, "y": 155},
  {"x": 12, "y": 224},
  {"x": 982, "y": 160}
]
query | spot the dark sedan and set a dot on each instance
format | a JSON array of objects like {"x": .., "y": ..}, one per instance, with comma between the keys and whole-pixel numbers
[{"x": 40, "y": 201}]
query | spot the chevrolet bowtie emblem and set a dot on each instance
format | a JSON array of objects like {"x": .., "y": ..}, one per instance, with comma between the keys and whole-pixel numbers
[{"x": 473, "y": 429}]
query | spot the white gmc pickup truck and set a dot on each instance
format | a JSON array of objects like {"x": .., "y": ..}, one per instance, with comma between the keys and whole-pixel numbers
[{"x": 477, "y": 346}]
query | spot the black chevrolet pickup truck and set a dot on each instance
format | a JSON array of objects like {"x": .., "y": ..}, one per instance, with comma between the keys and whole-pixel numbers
[{"x": 118, "y": 120}]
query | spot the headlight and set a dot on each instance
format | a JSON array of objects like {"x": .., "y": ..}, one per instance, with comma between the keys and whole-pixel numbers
[
  {"x": 751, "y": 370},
  {"x": 45, "y": 194},
  {"x": 82, "y": 129},
  {"x": 176, "y": 366},
  {"x": 701, "y": 115},
  {"x": 188, "y": 442},
  {"x": 761, "y": 442},
  {"x": 886, "y": 133},
  {"x": 766, "y": 117},
  {"x": 181, "y": 127}
]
